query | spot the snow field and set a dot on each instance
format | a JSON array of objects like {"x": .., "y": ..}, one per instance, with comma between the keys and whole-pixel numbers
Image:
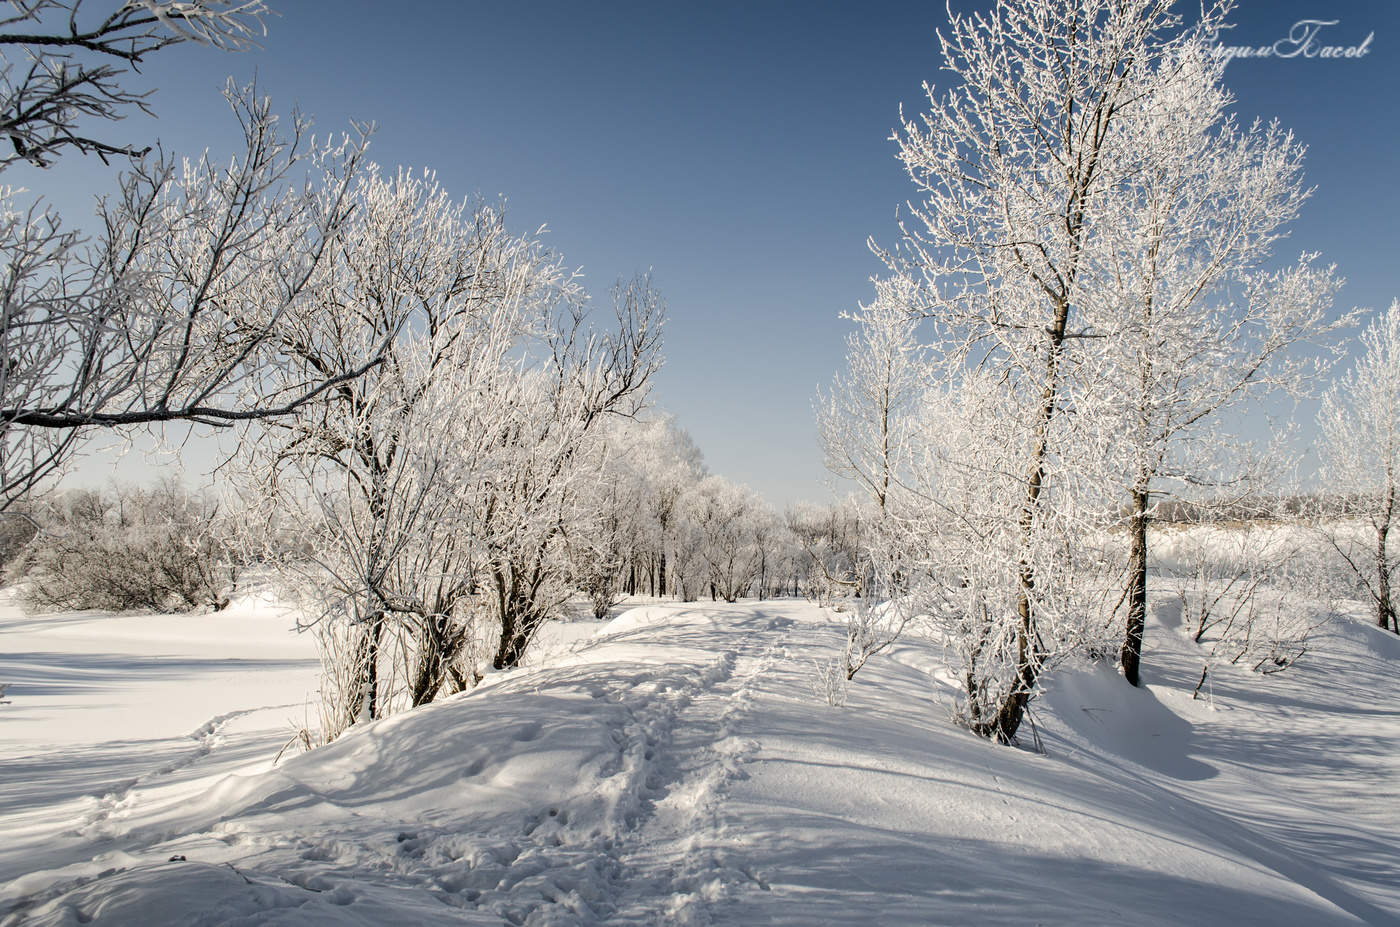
[{"x": 676, "y": 769}]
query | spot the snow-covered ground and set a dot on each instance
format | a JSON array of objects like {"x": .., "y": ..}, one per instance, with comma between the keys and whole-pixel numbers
[
  {"x": 115, "y": 716},
  {"x": 673, "y": 766}
]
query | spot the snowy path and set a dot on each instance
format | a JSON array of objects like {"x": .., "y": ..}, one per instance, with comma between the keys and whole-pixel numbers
[
  {"x": 692, "y": 755},
  {"x": 677, "y": 769}
]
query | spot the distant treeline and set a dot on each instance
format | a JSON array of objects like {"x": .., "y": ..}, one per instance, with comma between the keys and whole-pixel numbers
[{"x": 1258, "y": 507}]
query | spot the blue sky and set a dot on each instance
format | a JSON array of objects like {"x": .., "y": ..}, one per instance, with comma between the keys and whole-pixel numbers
[{"x": 740, "y": 149}]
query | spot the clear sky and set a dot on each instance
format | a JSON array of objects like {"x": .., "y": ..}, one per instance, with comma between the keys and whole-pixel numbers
[{"x": 740, "y": 149}]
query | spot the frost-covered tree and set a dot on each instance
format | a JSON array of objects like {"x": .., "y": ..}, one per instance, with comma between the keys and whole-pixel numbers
[
  {"x": 961, "y": 537},
  {"x": 670, "y": 462},
  {"x": 775, "y": 548},
  {"x": 724, "y": 516},
  {"x": 860, "y": 420},
  {"x": 1201, "y": 325},
  {"x": 1250, "y": 591},
  {"x": 390, "y": 471},
  {"x": 650, "y": 464},
  {"x": 723, "y": 539},
  {"x": 168, "y": 313},
  {"x": 864, "y": 425},
  {"x": 834, "y": 543},
  {"x": 689, "y": 570},
  {"x": 62, "y": 66},
  {"x": 539, "y": 494},
  {"x": 161, "y": 548},
  {"x": 1360, "y": 451},
  {"x": 601, "y": 551},
  {"x": 1017, "y": 166},
  {"x": 613, "y": 553}
]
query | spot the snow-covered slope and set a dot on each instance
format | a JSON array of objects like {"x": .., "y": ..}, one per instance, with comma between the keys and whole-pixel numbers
[{"x": 677, "y": 769}]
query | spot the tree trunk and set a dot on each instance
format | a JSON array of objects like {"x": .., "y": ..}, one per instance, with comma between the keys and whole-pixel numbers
[
  {"x": 661, "y": 575},
  {"x": 1003, "y": 725},
  {"x": 428, "y": 669},
  {"x": 1007, "y": 720},
  {"x": 370, "y": 708},
  {"x": 517, "y": 628},
  {"x": 439, "y": 646},
  {"x": 511, "y": 649},
  {"x": 1385, "y": 611},
  {"x": 1131, "y": 654}
]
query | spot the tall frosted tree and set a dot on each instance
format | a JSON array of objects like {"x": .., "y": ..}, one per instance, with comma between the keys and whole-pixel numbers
[
  {"x": 864, "y": 422},
  {"x": 1018, "y": 166},
  {"x": 1200, "y": 325},
  {"x": 1360, "y": 450}
]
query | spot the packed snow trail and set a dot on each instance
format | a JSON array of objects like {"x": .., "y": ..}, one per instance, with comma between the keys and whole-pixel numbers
[
  {"x": 677, "y": 769},
  {"x": 699, "y": 752}
]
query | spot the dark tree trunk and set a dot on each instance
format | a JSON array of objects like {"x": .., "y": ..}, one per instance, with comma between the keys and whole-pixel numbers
[
  {"x": 515, "y": 640},
  {"x": 661, "y": 575},
  {"x": 1136, "y": 594},
  {"x": 1385, "y": 611},
  {"x": 371, "y": 664},
  {"x": 440, "y": 643},
  {"x": 428, "y": 670},
  {"x": 1003, "y": 725},
  {"x": 520, "y": 611}
]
